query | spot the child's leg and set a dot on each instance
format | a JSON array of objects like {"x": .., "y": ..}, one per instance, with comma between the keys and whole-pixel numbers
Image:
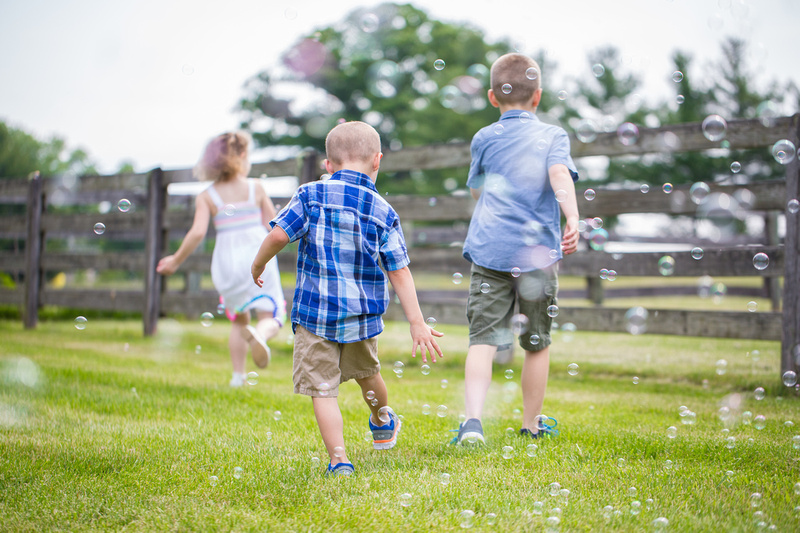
[
  {"x": 477, "y": 378},
  {"x": 267, "y": 326},
  {"x": 331, "y": 426},
  {"x": 375, "y": 384},
  {"x": 535, "y": 369},
  {"x": 236, "y": 343}
]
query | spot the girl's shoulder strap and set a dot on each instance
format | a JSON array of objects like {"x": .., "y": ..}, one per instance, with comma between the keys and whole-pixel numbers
[
  {"x": 251, "y": 183},
  {"x": 215, "y": 197}
]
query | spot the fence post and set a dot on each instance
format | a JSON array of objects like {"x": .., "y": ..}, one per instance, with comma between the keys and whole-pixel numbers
[
  {"x": 33, "y": 250},
  {"x": 308, "y": 170},
  {"x": 153, "y": 248},
  {"x": 772, "y": 284},
  {"x": 790, "y": 341}
]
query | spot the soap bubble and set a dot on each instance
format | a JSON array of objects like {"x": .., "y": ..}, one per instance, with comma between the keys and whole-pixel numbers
[
  {"x": 229, "y": 210},
  {"x": 679, "y": 99},
  {"x": 644, "y": 188},
  {"x": 531, "y": 450},
  {"x": 697, "y": 253},
  {"x": 405, "y": 499},
  {"x": 667, "y": 188},
  {"x": 714, "y": 128},
  {"x": 660, "y": 524},
  {"x": 237, "y": 472},
  {"x": 498, "y": 129},
  {"x": 485, "y": 288},
  {"x": 759, "y": 393},
  {"x": 426, "y": 409},
  {"x": 99, "y": 228},
  {"x": 736, "y": 167},
  {"x": 220, "y": 309},
  {"x": 722, "y": 367},
  {"x": 506, "y": 88},
  {"x": 598, "y": 239},
  {"x": 398, "y": 367},
  {"x": 784, "y": 151},
  {"x": 561, "y": 196},
  {"x": 572, "y": 369},
  {"x": 672, "y": 432},
  {"x": 324, "y": 389},
  {"x": 628, "y": 133},
  {"x": 636, "y": 320},
  {"x": 444, "y": 478},
  {"x": 519, "y": 324},
  {"x": 213, "y": 480},
  {"x": 532, "y": 73},
  {"x": 586, "y": 131},
  {"x": 752, "y": 306},
  {"x": 552, "y": 311},
  {"x": 666, "y": 265},
  {"x": 598, "y": 70},
  {"x": 124, "y": 205},
  {"x": 431, "y": 322},
  {"x": 457, "y": 278},
  {"x": 677, "y": 76},
  {"x": 370, "y": 22},
  {"x": 491, "y": 518},
  {"x": 562, "y": 95},
  {"x": 699, "y": 191},
  {"x": 790, "y": 378},
  {"x": 252, "y": 378},
  {"x": 537, "y": 508},
  {"x": 534, "y": 339},
  {"x": 508, "y": 452},
  {"x": 441, "y": 411},
  {"x": 516, "y": 272},
  {"x": 761, "y": 261},
  {"x": 206, "y": 319},
  {"x": 276, "y": 415},
  {"x": 554, "y": 488},
  {"x": 443, "y": 383},
  {"x": 80, "y": 323},
  {"x": 439, "y": 64},
  {"x": 760, "y": 422},
  {"x": 589, "y": 194},
  {"x": 509, "y": 373},
  {"x": 467, "y": 518},
  {"x": 425, "y": 369}
]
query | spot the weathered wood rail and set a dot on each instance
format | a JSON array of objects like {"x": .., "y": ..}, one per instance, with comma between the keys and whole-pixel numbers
[{"x": 158, "y": 218}]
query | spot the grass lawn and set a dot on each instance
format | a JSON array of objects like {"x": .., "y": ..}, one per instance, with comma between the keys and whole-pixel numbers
[{"x": 103, "y": 429}]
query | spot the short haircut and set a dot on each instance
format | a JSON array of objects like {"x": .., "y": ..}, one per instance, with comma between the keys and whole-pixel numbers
[
  {"x": 225, "y": 157},
  {"x": 514, "y": 78},
  {"x": 352, "y": 141}
]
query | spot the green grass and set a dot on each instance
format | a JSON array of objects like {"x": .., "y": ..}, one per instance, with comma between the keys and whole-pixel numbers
[{"x": 103, "y": 429}]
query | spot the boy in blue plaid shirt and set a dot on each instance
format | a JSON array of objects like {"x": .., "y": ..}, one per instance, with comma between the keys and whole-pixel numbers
[{"x": 347, "y": 231}]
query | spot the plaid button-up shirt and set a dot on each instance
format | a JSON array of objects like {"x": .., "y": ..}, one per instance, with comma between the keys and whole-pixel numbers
[{"x": 346, "y": 232}]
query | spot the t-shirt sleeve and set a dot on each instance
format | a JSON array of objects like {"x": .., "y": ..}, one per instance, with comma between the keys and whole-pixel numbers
[
  {"x": 475, "y": 179},
  {"x": 559, "y": 154},
  {"x": 292, "y": 219},
  {"x": 393, "y": 252}
]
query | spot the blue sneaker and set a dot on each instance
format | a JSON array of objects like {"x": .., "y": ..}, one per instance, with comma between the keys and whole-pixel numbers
[
  {"x": 342, "y": 469},
  {"x": 470, "y": 432},
  {"x": 547, "y": 428},
  {"x": 385, "y": 437}
]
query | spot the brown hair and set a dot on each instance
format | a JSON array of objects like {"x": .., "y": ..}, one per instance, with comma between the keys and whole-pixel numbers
[
  {"x": 225, "y": 157},
  {"x": 352, "y": 141},
  {"x": 518, "y": 71}
]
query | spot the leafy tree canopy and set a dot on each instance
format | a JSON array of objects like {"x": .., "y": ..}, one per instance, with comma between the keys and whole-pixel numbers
[{"x": 21, "y": 153}]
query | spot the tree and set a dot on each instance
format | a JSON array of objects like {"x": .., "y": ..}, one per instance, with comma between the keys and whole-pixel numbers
[
  {"x": 417, "y": 80},
  {"x": 21, "y": 153}
]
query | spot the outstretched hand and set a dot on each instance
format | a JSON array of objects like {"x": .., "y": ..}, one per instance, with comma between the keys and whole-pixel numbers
[
  {"x": 167, "y": 266},
  {"x": 569, "y": 242},
  {"x": 256, "y": 272},
  {"x": 423, "y": 340}
]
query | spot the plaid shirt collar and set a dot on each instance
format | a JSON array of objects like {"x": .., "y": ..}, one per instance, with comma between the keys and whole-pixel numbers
[{"x": 355, "y": 178}]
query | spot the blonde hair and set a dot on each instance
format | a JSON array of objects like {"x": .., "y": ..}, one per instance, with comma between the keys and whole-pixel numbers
[
  {"x": 352, "y": 141},
  {"x": 225, "y": 157},
  {"x": 515, "y": 70}
]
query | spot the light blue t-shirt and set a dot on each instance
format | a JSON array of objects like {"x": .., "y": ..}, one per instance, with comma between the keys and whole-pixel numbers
[{"x": 517, "y": 221}]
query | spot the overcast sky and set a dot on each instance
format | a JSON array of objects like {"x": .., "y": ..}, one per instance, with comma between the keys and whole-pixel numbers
[{"x": 152, "y": 80}]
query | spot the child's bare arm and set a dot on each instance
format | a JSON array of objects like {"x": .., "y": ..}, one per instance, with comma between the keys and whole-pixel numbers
[
  {"x": 272, "y": 244},
  {"x": 422, "y": 336},
  {"x": 561, "y": 180},
  {"x": 202, "y": 214}
]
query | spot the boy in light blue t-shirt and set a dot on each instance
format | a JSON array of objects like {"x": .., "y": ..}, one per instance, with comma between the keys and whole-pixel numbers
[{"x": 522, "y": 178}]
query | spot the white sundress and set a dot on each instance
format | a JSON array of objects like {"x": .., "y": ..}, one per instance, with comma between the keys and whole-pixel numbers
[{"x": 240, "y": 232}]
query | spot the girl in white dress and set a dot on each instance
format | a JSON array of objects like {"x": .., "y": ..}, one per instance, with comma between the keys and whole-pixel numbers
[{"x": 241, "y": 211}]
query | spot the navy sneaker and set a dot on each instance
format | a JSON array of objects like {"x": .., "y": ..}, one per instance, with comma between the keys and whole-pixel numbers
[
  {"x": 342, "y": 469},
  {"x": 547, "y": 428},
  {"x": 470, "y": 432},
  {"x": 385, "y": 437}
]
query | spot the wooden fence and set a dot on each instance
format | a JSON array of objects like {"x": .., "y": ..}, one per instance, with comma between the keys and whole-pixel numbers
[{"x": 156, "y": 218}]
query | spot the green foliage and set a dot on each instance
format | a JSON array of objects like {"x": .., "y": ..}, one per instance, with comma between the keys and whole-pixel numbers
[
  {"x": 21, "y": 153},
  {"x": 101, "y": 429}
]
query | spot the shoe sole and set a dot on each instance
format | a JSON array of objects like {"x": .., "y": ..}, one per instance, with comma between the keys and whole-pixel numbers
[
  {"x": 464, "y": 440},
  {"x": 388, "y": 444},
  {"x": 260, "y": 352}
]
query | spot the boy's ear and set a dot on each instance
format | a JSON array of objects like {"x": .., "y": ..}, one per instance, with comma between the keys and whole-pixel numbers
[
  {"x": 329, "y": 167},
  {"x": 536, "y": 98},
  {"x": 492, "y": 98},
  {"x": 376, "y": 161}
]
